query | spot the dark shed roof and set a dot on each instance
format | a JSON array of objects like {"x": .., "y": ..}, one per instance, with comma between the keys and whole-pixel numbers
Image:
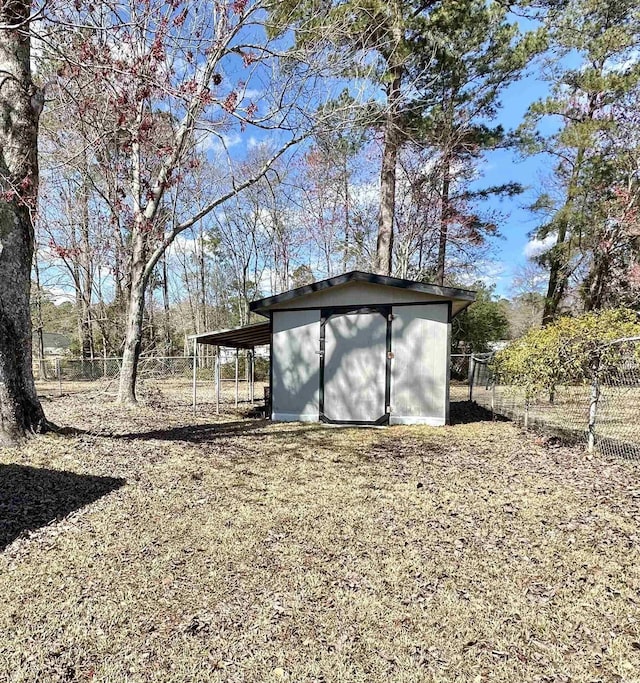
[
  {"x": 245, "y": 337},
  {"x": 263, "y": 305}
]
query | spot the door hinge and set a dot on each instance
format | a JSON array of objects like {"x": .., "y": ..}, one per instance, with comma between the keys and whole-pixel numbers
[
  {"x": 390, "y": 355},
  {"x": 388, "y": 409},
  {"x": 390, "y": 317}
]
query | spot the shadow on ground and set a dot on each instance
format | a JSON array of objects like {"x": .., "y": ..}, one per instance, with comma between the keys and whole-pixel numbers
[
  {"x": 466, "y": 412},
  {"x": 461, "y": 412},
  {"x": 32, "y": 497},
  {"x": 204, "y": 433}
]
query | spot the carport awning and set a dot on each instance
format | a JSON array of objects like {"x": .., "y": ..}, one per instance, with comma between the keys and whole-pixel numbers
[{"x": 245, "y": 337}]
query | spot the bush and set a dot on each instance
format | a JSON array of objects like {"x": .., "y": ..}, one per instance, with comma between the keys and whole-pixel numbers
[{"x": 565, "y": 352}]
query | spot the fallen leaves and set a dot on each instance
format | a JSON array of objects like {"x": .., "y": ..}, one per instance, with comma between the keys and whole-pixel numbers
[{"x": 241, "y": 551}]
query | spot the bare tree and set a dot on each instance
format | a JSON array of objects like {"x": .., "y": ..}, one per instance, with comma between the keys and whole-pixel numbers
[{"x": 187, "y": 64}]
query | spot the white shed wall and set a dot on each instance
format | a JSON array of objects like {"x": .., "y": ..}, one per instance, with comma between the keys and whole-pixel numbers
[
  {"x": 296, "y": 365},
  {"x": 420, "y": 341}
]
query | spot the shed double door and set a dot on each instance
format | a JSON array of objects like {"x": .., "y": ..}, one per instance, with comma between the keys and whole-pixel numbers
[{"x": 354, "y": 365}]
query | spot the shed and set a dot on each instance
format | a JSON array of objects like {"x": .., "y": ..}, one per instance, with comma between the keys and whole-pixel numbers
[
  {"x": 54, "y": 343},
  {"x": 362, "y": 349}
]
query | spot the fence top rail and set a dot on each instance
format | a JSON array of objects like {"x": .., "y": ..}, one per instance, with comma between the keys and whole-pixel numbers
[
  {"x": 482, "y": 357},
  {"x": 622, "y": 340},
  {"x": 101, "y": 359}
]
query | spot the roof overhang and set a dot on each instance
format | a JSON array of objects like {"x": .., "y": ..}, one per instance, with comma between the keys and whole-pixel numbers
[
  {"x": 245, "y": 337},
  {"x": 464, "y": 297}
]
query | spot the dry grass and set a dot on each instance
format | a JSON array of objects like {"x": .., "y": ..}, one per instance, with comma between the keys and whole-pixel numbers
[{"x": 236, "y": 550}]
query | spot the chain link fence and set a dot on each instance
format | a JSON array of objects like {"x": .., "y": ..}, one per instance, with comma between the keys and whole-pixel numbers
[
  {"x": 171, "y": 376},
  {"x": 459, "y": 377},
  {"x": 602, "y": 412}
]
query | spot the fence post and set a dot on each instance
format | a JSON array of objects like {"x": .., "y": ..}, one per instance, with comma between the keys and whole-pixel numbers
[
  {"x": 526, "y": 413},
  {"x": 252, "y": 369},
  {"x": 472, "y": 372},
  {"x": 59, "y": 376},
  {"x": 493, "y": 398},
  {"x": 593, "y": 408}
]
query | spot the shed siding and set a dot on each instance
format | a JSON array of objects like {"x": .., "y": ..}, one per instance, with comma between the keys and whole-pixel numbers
[
  {"x": 419, "y": 370},
  {"x": 296, "y": 365}
]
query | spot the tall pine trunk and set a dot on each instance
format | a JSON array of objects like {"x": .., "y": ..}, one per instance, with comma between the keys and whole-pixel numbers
[
  {"x": 595, "y": 284},
  {"x": 560, "y": 255},
  {"x": 445, "y": 217},
  {"x": 20, "y": 103},
  {"x": 449, "y": 95},
  {"x": 392, "y": 141}
]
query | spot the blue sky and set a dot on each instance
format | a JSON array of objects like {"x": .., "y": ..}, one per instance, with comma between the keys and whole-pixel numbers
[
  {"x": 508, "y": 253},
  {"x": 506, "y": 165},
  {"x": 502, "y": 166}
]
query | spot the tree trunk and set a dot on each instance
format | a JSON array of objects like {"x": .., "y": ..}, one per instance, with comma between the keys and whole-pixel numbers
[
  {"x": 392, "y": 139},
  {"x": 42, "y": 374},
  {"x": 85, "y": 266},
  {"x": 202, "y": 281},
  {"x": 596, "y": 281},
  {"x": 445, "y": 216},
  {"x": 557, "y": 277},
  {"x": 165, "y": 302},
  {"x": 347, "y": 213},
  {"x": 21, "y": 103},
  {"x": 133, "y": 333},
  {"x": 559, "y": 270}
]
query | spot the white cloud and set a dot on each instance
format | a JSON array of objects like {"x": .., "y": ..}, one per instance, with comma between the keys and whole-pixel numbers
[
  {"x": 266, "y": 277},
  {"x": 620, "y": 67},
  {"x": 59, "y": 295},
  {"x": 536, "y": 247},
  {"x": 251, "y": 94},
  {"x": 184, "y": 245},
  {"x": 217, "y": 143},
  {"x": 366, "y": 193},
  {"x": 486, "y": 271}
]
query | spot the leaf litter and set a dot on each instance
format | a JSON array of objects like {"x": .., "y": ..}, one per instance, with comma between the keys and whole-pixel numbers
[{"x": 152, "y": 545}]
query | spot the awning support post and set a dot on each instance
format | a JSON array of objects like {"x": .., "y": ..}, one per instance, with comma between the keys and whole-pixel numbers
[
  {"x": 195, "y": 362},
  {"x": 247, "y": 372},
  {"x": 252, "y": 370},
  {"x": 237, "y": 385},
  {"x": 217, "y": 372}
]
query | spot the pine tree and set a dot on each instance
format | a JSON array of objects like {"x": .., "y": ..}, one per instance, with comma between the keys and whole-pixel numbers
[
  {"x": 441, "y": 66},
  {"x": 590, "y": 66},
  {"x": 478, "y": 53},
  {"x": 375, "y": 40}
]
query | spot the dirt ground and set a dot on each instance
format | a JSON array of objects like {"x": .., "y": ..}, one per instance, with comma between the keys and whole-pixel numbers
[{"x": 155, "y": 545}]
